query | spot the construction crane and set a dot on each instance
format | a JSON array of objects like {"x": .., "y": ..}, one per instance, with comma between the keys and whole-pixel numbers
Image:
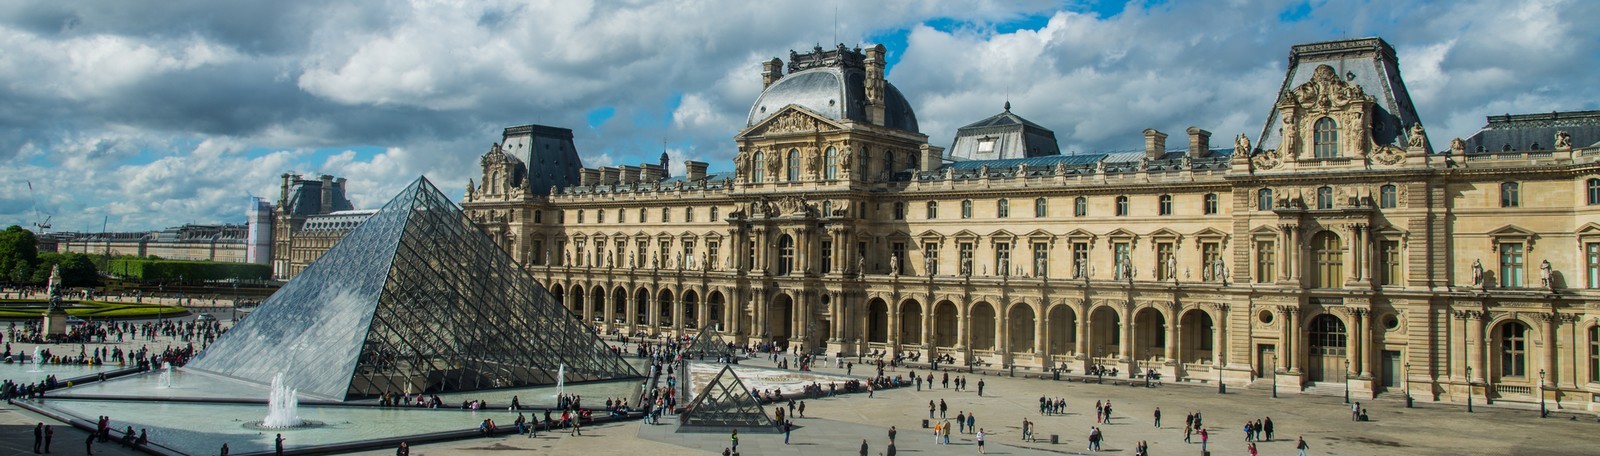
[{"x": 42, "y": 224}]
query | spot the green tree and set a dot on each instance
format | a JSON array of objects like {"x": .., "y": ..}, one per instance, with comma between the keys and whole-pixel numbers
[
  {"x": 78, "y": 270},
  {"x": 19, "y": 251}
]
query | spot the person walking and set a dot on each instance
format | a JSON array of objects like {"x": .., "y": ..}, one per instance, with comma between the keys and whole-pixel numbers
[
  {"x": 277, "y": 444},
  {"x": 1158, "y": 417},
  {"x": 49, "y": 434},
  {"x": 1099, "y": 411},
  {"x": 38, "y": 436},
  {"x": 1355, "y": 411},
  {"x": 1251, "y": 448},
  {"x": 88, "y": 445},
  {"x": 1187, "y": 431},
  {"x": 961, "y": 422},
  {"x": 930, "y": 409},
  {"x": 1268, "y": 427},
  {"x": 734, "y": 438},
  {"x": 972, "y": 421},
  {"x": 404, "y": 450},
  {"x": 224, "y": 449},
  {"x": 1108, "y": 414},
  {"x": 892, "y": 432},
  {"x": 1026, "y": 429},
  {"x": 1302, "y": 446},
  {"x": 947, "y": 432},
  {"x": 936, "y": 429},
  {"x": 890, "y": 451},
  {"x": 787, "y": 428},
  {"x": 980, "y": 387},
  {"x": 944, "y": 410},
  {"x": 863, "y": 447},
  {"x": 980, "y": 432},
  {"x": 1204, "y": 437}
]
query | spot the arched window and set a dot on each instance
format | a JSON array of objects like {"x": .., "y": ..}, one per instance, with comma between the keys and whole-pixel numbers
[
  {"x": 1387, "y": 198},
  {"x": 1211, "y": 204},
  {"x": 1325, "y": 139},
  {"x": 1122, "y": 206},
  {"x": 1513, "y": 350},
  {"x": 1593, "y": 186},
  {"x": 1003, "y": 208},
  {"x": 1327, "y": 336},
  {"x": 966, "y": 209},
  {"x": 888, "y": 163},
  {"x": 1041, "y": 207},
  {"x": 793, "y": 164},
  {"x": 1264, "y": 199},
  {"x": 899, "y": 210},
  {"x": 933, "y": 210},
  {"x": 1080, "y": 206},
  {"x": 827, "y": 208},
  {"x": 688, "y": 215},
  {"x": 758, "y": 168},
  {"x": 1328, "y": 253},
  {"x": 1325, "y": 198},
  {"x": 831, "y": 164},
  {"x": 1164, "y": 205},
  {"x": 1510, "y": 194},
  {"x": 785, "y": 254}
]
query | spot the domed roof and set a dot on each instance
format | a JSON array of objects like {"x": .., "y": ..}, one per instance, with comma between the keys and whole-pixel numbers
[{"x": 839, "y": 93}]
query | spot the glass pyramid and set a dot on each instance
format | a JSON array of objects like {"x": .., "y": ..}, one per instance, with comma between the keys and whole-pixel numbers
[
  {"x": 725, "y": 403},
  {"x": 414, "y": 299},
  {"x": 709, "y": 343}
]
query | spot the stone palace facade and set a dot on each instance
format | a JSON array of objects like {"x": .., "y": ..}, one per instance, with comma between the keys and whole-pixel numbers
[{"x": 1335, "y": 248}]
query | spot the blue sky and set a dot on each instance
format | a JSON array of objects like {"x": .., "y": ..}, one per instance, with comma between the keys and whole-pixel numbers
[{"x": 152, "y": 114}]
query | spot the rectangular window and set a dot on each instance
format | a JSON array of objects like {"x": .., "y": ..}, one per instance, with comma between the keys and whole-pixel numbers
[
  {"x": 688, "y": 252},
  {"x": 1120, "y": 266},
  {"x": 688, "y": 215},
  {"x": 538, "y": 217},
  {"x": 643, "y": 249},
  {"x": 579, "y": 248},
  {"x": 1166, "y": 264},
  {"x": 1591, "y": 254},
  {"x": 538, "y": 252},
  {"x": 1080, "y": 207},
  {"x": 964, "y": 253},
  {"x": 1211, "y": 261},
  {"x": 561, "y": 251},
  {"x": 1265, "y": 256},
  {"x": 600, "y": 251},
  {"x": 1390, "y": 251},
  {"x": 1080, "y": 260},
  {"x": 898, "y": 253},
  {"x": 1002, "y": 258},
  {"x": 714, "y": 212},
  {"x": 666, "y": 215},
  {"x": 1511, "y": 265},
  {"x": 664, "y": 253},
  {"x": 600, "y": 216},
  {"x": 827, "y": 257},
  {"x": 930, "y": 252},
  {"x": 713, "y": 249},
  {"x": 749, "y": 253},
  {"x": 1041, "y": 259}
]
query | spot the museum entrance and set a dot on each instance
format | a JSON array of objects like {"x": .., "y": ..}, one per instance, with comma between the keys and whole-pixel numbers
[{"x": 1326, "y": 343}]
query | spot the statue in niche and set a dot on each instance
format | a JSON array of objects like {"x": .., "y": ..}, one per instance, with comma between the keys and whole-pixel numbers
[
  {"x": 1079, "y": 268},
  {"x": 813, "y": 162},
  {"x": 1219, "y": 269},
  {"x": 1477, "y": 272},
  {"x": 1038, "y": 267},
  {"x": 568, "y": 258},
  {"x": 1545, "y": 274},
  {"x": 679, "y": 262},
  {"x": 774, "y": 167},
  {"x": 966, "y": 267},
  {"x": 1172, "y": 267},
  {"x": 845, "y": 156},
  {"x": 632, "y": 261},
  {"x": 861, "y": 265},
  {"x": 927, "y": 265},
  {"x": 1418, "y": 137},
  {"x": 547, "y": 257},
  {"x": 611, "y": 260},
  {"x": 894, "y": 265},
  {"x": 655, "y": 261},
  {"x": 739, "y": 161}
]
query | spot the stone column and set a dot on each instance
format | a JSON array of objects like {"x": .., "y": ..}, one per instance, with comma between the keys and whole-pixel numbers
[
  {"x": 836, "y": 310},
  {"x": 758, "y": 307},
  {"x": 1358, "y": 345},
  {"x": 962, "y": 311},
  {"x": 1219, "y": 340},
  {"x": 1081, "y": 329},
  {"x": 1475, "y": 343},
  {"x": 1172, "y": 341},
  {"x": 1041, "y": 341},
  {"x": 677, "y": 312},
  {"x": 703, "y": 313},
  {"x": 893, "y": 336},
  {"x": 1125, "y": 343},
  {"x": 927, "y": 328},
  {"x": 1285, "y": 253},
  {"x": 760, "y": 259},
  {"x": 1552, "y": 325},
  {"x": 1286, "y": 336}
]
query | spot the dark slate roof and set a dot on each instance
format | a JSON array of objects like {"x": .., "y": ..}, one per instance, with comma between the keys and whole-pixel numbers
[
  {"x": 836, "y": 92},
  {"x": 1007, "y": 136},
  {"x": 1523, "y": 132},
  {"x": 1366, "y": 62},
  {"x": 1003, "y": 119}
]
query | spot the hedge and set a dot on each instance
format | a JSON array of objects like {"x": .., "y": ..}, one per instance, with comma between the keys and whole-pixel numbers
[
  {"x": 161, "y": 270},
  {"x": 90, "y": 309}
]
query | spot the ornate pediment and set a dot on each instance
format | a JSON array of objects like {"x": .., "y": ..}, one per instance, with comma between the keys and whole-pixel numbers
[
  {"x": 1325, "y": 91},
  {"x": 792, "y": 119}
]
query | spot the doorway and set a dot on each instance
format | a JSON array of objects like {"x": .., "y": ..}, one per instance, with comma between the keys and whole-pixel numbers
[
  {"x": 1266, "y": 359},
  {"x": 1391, "y": 369}
]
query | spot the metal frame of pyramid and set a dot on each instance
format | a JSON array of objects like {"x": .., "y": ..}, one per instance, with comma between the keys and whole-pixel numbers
[
  {"x": 709, "y": 343},
  {"x": 723, "y": 404},
  {"x": 415, "y": 299}
]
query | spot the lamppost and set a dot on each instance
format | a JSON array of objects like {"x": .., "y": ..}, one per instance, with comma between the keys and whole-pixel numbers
[
  {"x": 1408, "y": 385},
  {"x": 1543, "y": 412},
  {"x": 1347, "y": 380},
  {"x": 1221, "y": 388},
  {"x": 1274, "y": 376},
  {"x": 1469, "y": 389}
]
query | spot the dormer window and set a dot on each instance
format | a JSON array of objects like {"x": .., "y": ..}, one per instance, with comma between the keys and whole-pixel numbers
[
  {"x": 986, "y": 145},
  {"x": 1325, "y": 139}
]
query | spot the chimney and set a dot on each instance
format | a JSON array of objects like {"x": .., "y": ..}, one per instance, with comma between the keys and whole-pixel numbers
[
  {"x": 1155, "y": 144},
  {"x": 649, "y": 173},
  {"x": 1199, "y": 142},
  {"x": 327, "y": 194},
  {"x": 930, "y": 157},
  {"x": 695, "y": 170},
  {"x": 609, "y": 175},
  {"x": 588, "y": 177},
  {"x": 771, "y": 71},
  {"x": 283, "y": 193},
  {"x": 630, "y": 174},
  {"x": 875, "y": 84}
]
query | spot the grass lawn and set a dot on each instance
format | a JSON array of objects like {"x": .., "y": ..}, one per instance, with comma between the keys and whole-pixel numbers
[{"x": 32, "y": 308}]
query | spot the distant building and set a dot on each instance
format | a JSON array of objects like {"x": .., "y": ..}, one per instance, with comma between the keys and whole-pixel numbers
[
  {"x": 311, "y": 215},
  {"x": 191, "y": 242},
  {"x": 258, "y": 240}
]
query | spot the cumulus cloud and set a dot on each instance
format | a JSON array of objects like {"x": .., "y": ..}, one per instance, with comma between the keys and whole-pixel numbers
[{"x": 154, "y": 113}]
